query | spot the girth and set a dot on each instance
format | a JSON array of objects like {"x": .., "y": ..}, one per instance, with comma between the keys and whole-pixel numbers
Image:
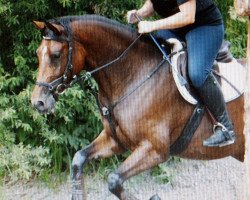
[{"x": 188, "y": 131}]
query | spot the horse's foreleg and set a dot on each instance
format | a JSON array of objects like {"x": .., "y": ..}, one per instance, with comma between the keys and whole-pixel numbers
[
  {"x": 141, "y": 159},
  {"x": 103, "y": 146}
]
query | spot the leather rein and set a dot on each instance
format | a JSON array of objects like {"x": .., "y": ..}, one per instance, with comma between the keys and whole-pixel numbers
[{"x": 60, "y": 84}]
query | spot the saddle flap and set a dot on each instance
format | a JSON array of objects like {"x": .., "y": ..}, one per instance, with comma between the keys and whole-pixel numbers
[{"x": 235, "y": 78}]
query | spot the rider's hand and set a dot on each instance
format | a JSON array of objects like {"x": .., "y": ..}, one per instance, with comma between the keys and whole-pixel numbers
[
  {"x": 131, "y": 16},
  {"x": 146, "y": 27}
]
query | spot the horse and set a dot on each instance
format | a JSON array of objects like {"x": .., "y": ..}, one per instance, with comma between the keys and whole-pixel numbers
[{"x": 148, "y": 113}]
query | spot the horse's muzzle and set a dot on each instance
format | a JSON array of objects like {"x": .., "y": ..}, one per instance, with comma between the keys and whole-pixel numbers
[{"x": 44, "y": 104}]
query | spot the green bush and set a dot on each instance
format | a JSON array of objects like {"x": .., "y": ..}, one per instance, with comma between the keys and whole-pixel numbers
[
  {"x": 76, "y": 121},
  {"x": 30, "y": 142},
  {"x": 23, "y": 162},
  {"x": 236, "y": 28}
]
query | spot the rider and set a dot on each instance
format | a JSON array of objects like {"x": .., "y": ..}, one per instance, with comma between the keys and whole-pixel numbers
[{"x": 200, "y": 24}]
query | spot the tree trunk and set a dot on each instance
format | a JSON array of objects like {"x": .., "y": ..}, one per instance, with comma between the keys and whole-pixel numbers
[
  {"x": 242, "y": 8},
  {"x": 247, "y": 117}
]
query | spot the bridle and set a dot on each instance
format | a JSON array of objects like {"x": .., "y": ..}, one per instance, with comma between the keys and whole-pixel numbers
[{"x": 60, "y": 84}]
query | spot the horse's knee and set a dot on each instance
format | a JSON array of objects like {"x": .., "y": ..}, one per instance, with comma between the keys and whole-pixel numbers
[{"x": 115, "y": 183}]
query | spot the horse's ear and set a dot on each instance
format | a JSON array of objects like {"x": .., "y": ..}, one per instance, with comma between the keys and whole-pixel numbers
[
  {"x": 53, "y": 28},
  {"x": 39, "y": 25}
]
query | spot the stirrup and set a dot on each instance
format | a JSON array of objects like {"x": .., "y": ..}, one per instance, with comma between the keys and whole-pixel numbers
[
  {"x": 225, "y": 131},
  {"x": 221, "y": 137}
]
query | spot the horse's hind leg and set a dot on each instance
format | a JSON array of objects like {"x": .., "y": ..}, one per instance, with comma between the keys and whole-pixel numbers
[
  {"x": 141, "y": 159},
  {"x": 103, "y": 146}
]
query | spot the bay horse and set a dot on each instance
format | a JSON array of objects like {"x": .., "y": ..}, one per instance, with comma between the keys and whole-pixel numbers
[{"x": 147, "y": 122}]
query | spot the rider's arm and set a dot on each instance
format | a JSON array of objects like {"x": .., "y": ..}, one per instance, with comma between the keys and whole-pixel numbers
[
  {"x": 146, "y": 10},
  {"x": 183, "y": 18}
]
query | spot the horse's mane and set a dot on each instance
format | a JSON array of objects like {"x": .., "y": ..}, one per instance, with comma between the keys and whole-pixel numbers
[
  {"x": 66, "y": 20},
  {"x": 127, "y": 30}
]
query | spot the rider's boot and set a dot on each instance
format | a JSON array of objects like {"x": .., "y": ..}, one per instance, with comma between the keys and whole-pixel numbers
[{"x": 212, "y": 97}]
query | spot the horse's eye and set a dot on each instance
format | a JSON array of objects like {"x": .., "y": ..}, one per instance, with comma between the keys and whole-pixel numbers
[{"x": 56, "y": 55}]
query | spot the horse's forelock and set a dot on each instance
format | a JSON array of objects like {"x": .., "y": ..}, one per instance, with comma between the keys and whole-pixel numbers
[{"x": 48, "y": 33}]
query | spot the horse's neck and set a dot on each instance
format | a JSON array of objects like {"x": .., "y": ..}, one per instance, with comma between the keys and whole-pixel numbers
[
  {"x": 102, "y": 40},
  {"x": 103, "y": 45}
]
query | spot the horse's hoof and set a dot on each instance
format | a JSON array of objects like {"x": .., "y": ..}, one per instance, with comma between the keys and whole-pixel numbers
[{"x": 155, "y": 197}]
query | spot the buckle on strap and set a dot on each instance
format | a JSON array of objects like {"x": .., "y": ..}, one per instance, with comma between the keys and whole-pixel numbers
[
  {"x": 105, "y": 111},
  {"x": 225, "y": 131}
]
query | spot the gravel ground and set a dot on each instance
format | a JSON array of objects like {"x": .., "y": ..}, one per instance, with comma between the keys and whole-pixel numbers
[{"x": 192, "y": 180}]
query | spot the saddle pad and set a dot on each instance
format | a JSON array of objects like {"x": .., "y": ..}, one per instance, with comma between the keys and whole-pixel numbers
[{"x": 234, "y": 72}]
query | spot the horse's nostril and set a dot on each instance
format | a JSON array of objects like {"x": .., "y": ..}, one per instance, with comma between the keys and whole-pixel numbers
[{"x": 39, "y": 105}]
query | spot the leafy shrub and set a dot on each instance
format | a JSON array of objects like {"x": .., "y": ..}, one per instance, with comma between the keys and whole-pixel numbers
[
  {"x": 23, "y": 162},
  {"x": 75, "y": 123},
  {"x": 236, "y": 28}
]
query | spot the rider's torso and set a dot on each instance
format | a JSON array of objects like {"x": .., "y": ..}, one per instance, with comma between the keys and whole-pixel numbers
[{"x": 207, "y": 12}]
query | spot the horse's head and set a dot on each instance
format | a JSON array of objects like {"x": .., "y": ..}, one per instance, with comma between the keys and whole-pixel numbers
[{"x": 56, "y": 66}]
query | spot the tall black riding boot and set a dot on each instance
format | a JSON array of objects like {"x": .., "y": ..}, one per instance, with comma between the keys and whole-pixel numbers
[{"x": 212, "y": 97}]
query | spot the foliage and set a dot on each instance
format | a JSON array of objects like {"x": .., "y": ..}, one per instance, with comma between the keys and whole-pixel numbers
[
  {"x": 30, "y": 142},
  {"x": 165, "y": 172},
  {"x": 75, "y": 123},
  {"x": 236, "y": 28},
  {"x": 22, "y": 162}
]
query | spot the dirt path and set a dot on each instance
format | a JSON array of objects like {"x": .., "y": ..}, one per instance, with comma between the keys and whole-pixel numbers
[{"x": 192, "y": 180}]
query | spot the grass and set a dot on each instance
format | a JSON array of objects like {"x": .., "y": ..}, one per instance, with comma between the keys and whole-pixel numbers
[{"x": 164, "y": 173}]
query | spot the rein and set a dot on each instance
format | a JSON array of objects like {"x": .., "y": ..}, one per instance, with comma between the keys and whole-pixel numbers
[
  {"x": 106, "y": 110},
  {"x": 60, "y": 84},
  {"x": 90, "y": 73}
]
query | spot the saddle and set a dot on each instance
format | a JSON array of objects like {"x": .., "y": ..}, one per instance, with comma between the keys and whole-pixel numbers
[{"x": 230, "y": 73}]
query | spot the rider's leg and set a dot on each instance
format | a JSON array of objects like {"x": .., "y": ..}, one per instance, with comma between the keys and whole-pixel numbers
[
  {"x": 211, "y": 94},
  {"x": 166, "y": 34},
  {"x": 203, "y": 44}
]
